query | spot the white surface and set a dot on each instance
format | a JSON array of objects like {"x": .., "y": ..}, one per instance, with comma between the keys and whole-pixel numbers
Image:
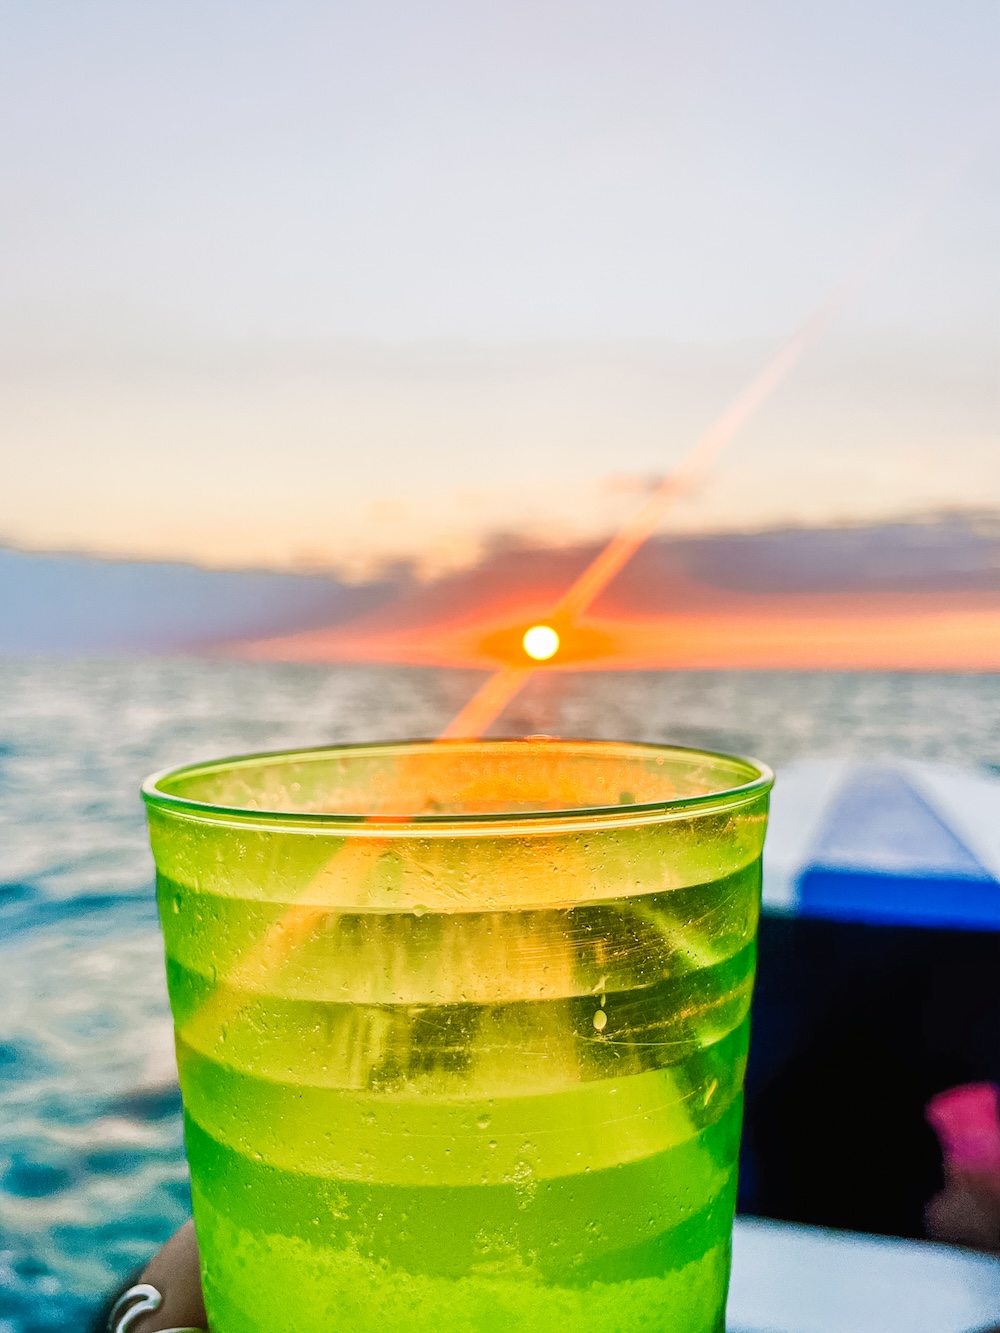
[
  {"x": 805, "y": 793},
  {"x": 789, "y": 1279},
  {"x": 802, "y": 798},
  {"x": 968, "y": 802}
]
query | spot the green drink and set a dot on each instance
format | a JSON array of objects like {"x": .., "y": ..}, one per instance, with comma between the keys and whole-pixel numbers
[{"x": 461, "y": 1031}]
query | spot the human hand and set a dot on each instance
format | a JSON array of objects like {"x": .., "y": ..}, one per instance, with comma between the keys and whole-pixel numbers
[{"x": 175, "y": 1273}]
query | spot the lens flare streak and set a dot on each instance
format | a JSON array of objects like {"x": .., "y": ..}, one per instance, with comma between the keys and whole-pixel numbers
[
  {"x": 487, "y": 703},
  {"x": 501, "y": 688}
]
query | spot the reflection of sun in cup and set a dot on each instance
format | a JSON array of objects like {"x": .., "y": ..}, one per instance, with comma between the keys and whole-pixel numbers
[{"x": 541, "y": 642}]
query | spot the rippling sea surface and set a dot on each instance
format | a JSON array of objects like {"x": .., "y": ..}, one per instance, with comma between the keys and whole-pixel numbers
[{"x": 92, "y": 1174}]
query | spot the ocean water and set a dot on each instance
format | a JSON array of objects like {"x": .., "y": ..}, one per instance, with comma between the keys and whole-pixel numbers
[{"x": 92, "y": 1174}]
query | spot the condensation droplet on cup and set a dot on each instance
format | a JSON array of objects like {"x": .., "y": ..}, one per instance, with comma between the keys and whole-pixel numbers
[{"x": 600, "y": 1020}]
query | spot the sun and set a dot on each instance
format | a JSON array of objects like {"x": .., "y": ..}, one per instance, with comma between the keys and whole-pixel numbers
[{"x": 541, "y": 642}]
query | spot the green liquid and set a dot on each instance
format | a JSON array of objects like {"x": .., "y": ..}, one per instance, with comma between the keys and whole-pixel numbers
[
  {"x": 470, "y": 1258},
  {"x": 538, "y": 1131}
]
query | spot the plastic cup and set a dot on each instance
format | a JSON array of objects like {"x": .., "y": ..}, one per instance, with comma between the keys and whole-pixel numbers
[{"x": 461, "y": 1031}]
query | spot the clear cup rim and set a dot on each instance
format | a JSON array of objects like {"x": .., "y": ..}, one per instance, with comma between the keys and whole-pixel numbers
[{"x": 760, "y": 780}]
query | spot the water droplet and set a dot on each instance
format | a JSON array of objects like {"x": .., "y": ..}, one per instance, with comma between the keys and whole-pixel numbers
[
  {"x": 600, "y": 1020},
  {"x": 483, "y": 1122},
  {"x": 493, "y": 1143}
]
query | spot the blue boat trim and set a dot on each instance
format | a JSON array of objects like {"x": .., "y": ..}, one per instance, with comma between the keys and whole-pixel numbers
[{"x": 961, "y": 902}]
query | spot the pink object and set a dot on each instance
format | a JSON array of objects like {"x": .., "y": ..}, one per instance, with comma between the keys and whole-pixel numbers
[{"x": 967, "y": 1122}]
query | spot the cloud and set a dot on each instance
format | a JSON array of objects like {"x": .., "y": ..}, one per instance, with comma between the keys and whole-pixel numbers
[{"x": 355, "y": 456}]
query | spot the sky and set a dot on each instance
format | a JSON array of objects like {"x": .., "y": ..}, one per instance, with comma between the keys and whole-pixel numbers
[{"x": 331, "y": 285}]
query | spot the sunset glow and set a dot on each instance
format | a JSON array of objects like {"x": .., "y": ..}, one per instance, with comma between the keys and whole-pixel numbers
[{"x": 713, "y": 631}]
